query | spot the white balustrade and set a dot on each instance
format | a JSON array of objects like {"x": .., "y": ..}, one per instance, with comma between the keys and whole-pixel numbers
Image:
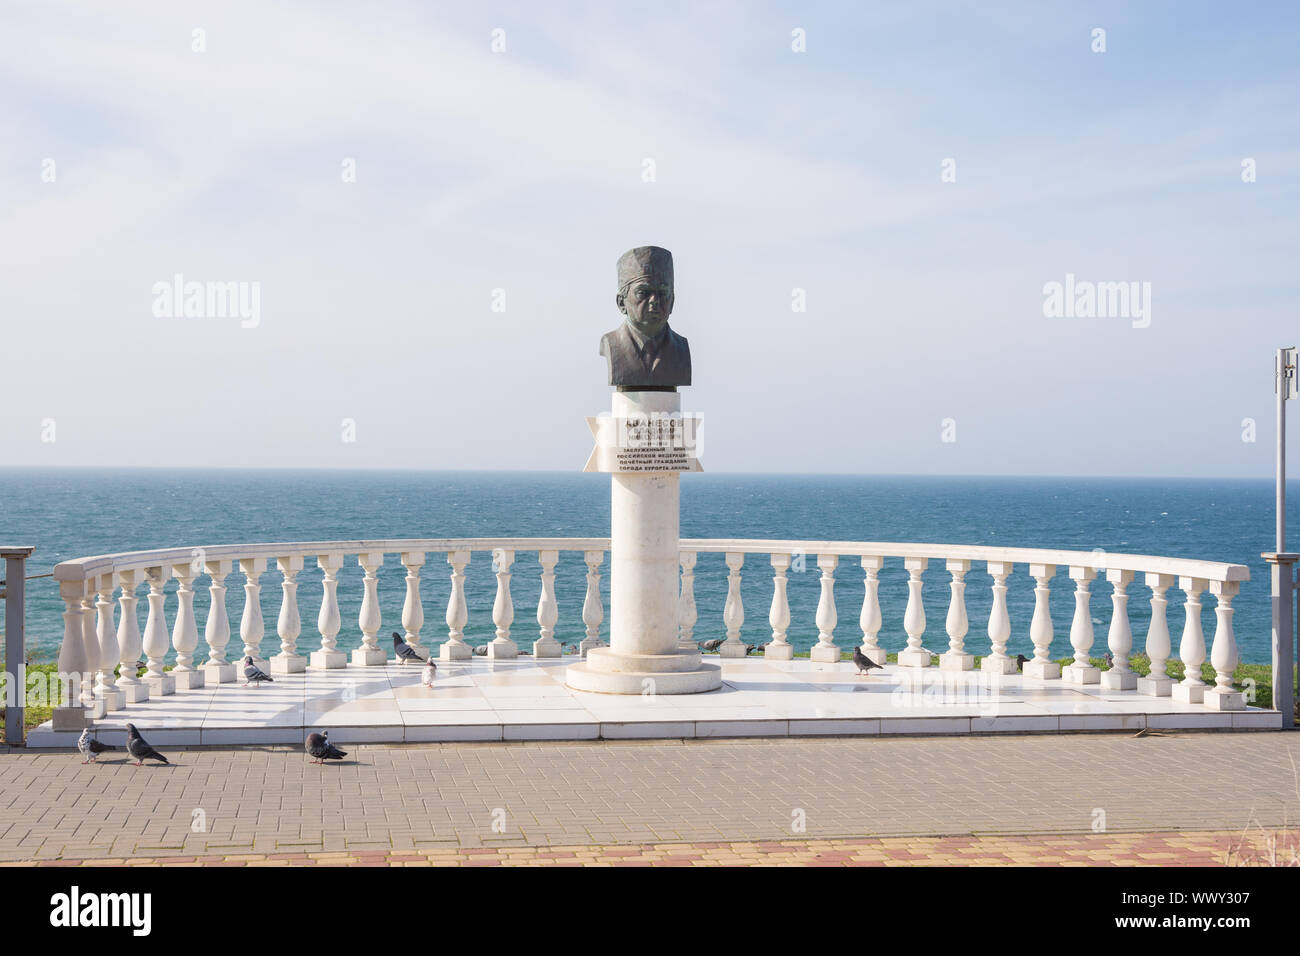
[
  {"x": 1081, "y": 670},
  {"x": 733, "y": 612},
  {"x": 957, "y": 623},
  {"x": 825, "y": 651},
  {"x": 370, "y": 654},
  {"x": 412, "y": 607},
  {"x": 593, "y": 612},
  {"x": 109, "y": 652},
  {"x": 503, "y": 608},
  {"x": 185, "y": 630},
  {"x": 780, "y": 648},
  {"x": 914, "y": 655},
  {"x": 1223, "y": 654},
  {"x": 1157, "y": 683},
  {"x": 216, "y": 630},
  {"x": 1042, "y": 667},
  {"x": 548, "y": 612},
  {"x": 129, "y": 642},
  {"x": 1191, "y": 690},
  {"x": 999, "y": 630},
  {"x": 687, "y": 614},
  {"x": 155, "y": 634},
  {"x": 870, "y": 620},
  {"x": 455, "y": 648},
  {"x": 1120, "y": 636},
  {"x": 329, "y": 621},
  {"x": 289, "y": 624},
  {"x": 251, "y": 626}
]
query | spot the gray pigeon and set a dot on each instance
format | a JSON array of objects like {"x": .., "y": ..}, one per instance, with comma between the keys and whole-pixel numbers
[
  {"x": 319, "y": 746},
  {"x": 712, "y": 645},
  {"x": 1021, "y": 661},
  {"x": 751, "y": 648},
  {"x": 253, "y": 674},
  {"x": 480, "y": 651},
  {"x": 139, "y": 748},
  {"x": 1109, "y": 658},
  {"x": 90, "y": 747},
  {"x": 864, "y": 663},
  {"x": 405, "y": 653}
]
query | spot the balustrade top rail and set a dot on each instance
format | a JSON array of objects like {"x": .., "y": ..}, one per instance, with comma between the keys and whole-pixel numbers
[{"x": 82, "y": 569}]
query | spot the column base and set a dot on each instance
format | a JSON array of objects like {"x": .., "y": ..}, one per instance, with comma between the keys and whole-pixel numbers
[
  {"x": 136, "y": 693},
  {"x": 590, "y": 643},
  {"x": 823, "y": 654},
  {"x": 999, "y": 665},
  {"x": 369, "y": 657},
  {"x": 69, "y": 718},
  {"x": 775, "y": 651},
  {"x": 877, "y": 654},
  {"x": 113, "y": 700},
  {"x": 1218, "y": 699},
  {"x": 454, "y": 651},
  {"x": 219, "y": 673},
  {"x": 502, "y": 650},
  {"x": 913, "y": 657},
  {"x": 1080, "y": 674},
  {"x": 1189, "y": 693},
  {"x": 96, "y": 709},
  {"x": 288, "y": 664},
  {"x": 956, "y": 662},
  {"x": 546, "y": 648},
  {"x": 328, "y": 660},
  {"x": 605, "y": 672},
  {"x": 1119, "y": 680},
  {"x": 1042, "y": 670},
  {"x": 188, "y": 680},
  {"x": 1155, "y": 686},
  {"x": 732, "y": 649},
  {"x": 161, "y": 686}
]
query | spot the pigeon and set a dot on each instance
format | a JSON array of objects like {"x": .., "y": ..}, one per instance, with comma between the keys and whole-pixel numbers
[
  {"x": 405, "y": 653},
  {"x": 253, "y": 674},
  {"x": 139, "y": 748},
  {"x": 712, "y": 645},
  {"x": 1021, "y": 661},
  {"x": 90, "y": 747},
  {"x": 1110, "y": 659},
  {"x": 480, "y": 651},
  {"x": 864, "y": 663},
  {"x": 319, "y": 746},
  {"x": 430, "y": 673},
  {"x": 750, "y": 648}
]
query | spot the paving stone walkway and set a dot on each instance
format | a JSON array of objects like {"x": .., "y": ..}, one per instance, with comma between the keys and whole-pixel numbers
[{"x": 427, "y": 799}]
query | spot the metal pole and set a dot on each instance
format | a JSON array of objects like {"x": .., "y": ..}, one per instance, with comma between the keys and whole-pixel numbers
[
  {"x": 15, "y": 664},
  {"x": 1282, "y": 389}
]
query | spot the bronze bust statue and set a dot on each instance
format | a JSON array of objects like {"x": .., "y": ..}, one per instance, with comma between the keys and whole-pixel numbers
[{"x": 644, "y": 352}]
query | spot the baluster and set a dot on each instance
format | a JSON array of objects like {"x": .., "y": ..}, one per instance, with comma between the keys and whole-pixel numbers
[
  {"x": 825, "y": 651},
  {"x": 90, "y": 640},
  {"x": 780, "y": 648},
  {"x": 109, "y": 652},
  {"x": 1081, "y": 670},
  {"x": 251, "y": 627},
  {"x": 503, "y": 609},
  {"x": 547, "y": 611},
  {"x": 869, "y": 620},
  {"x": 914, "y": 655},
  {"x": 130, "y": 644},
  {"x": 593, "y": 612},
  {"x": 370, "y": 654},
  {"x": 1120, "y": 636},
  {"x": 999, "y": 622},
  {"x": 1192, "y": 647},
  {"x": 185, "y": 630},
  {"x": 329, "y": 621},
  {"x": 216, "y": 630},
  {"x": 69, "y": 715},
  {"x": 733, "y": 612},
  {"x": 1223, "y": 654},
  {"x": 957, "y": 624},
  {"x": 155, "y": 634},
  {"x": 687, "y": 614},
  {"x": 455, "y": 648},
  {"x": 1157, "y": 683},
  {"x": 412, "y": 607},
  {"x": 289, "y": 624},
  {"x": 1042, "y": 667}
]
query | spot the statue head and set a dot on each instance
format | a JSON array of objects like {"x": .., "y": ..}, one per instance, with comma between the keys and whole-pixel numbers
[{"x": 645, "y": 289}]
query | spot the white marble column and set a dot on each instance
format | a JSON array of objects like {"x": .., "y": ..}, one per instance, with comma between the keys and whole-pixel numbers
[
  {"x": 251, "y": 626},
  {"x": 593, "y": 612},
  {"x": 413, "y": 607},
  {"x": 733, "y": 611},
  {"x": 957, "y": 623},
  {"x": 548, "y": 612},
  {"x": 370, "y": 654},
  {"x": 687, "y": 614},
  {"x": 869, "y": 619},
  {"x": 999, "y": 629},
  {"x": 1191, "y": 690},
  {"x": 1081, "y": 671},
  {"x": 329, "y": 621},
  {"x": 914, "y": 655},
  {"x": 780, "y": 648},
  {"x": 503, "y": 607},
  {"x": 216, "y": 630},
  {"x": 156, "y": 645},
  {"x": 109, "y": 652},
  {"x": 69, "y": 715},
  {"x": 825, "y": 650},
  {"x": 90, "y": 640},
  {"x": 185, "y": 630},
  {"x": 129, "y": 642},
  {"x": 1042, "y": 667},
  {"x": 1223, "y": 654},
  {"x": 1119, "y": 638},
  {"x": 455, "y": 648},
  {"x": 289, "y": 624},
  {"x": 1157, "y": 683}
]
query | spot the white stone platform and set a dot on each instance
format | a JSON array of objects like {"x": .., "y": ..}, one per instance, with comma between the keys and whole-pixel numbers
[{"x": 526, "y": 699}]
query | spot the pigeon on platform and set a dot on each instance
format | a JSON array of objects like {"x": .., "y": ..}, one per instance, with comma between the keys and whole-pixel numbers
[
  {"x": 750, "y": 648},
  {"x": 430, "y": 673},
  {"x": 255, "y": 675},
  {"x": 90, "y": 747},
  {"x": 405, "y": 652},
  {"x": 864, "y": 663},
  {"x": 139, "y": 748},
  {"x": 480, "y": 651},
  {"x": 319, "y": 746},
  {"x": 1109, "y": 658},
  {"x": 1021, "y": 661},
  {"x": 712, "y": 645}
]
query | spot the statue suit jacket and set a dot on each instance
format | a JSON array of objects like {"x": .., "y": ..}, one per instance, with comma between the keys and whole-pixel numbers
[{"x": 663, "y": 363}]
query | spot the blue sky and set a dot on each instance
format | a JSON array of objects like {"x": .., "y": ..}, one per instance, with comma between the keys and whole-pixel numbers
[{"x": 522, "y": 171}]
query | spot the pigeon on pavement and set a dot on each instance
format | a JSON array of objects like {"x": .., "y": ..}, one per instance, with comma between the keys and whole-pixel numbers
[
  {"x": 1021, "y": 661},
  {"x": 319, "y": 746},
  {"x": 253, "y": 674},
  {"x": 90, "y": 747},
  {"x": 712, "y": 645},
  {"x": 430, "y": 673},
  {"x": 139, "y": 748},
  {"x": 480, "y": 651},
  {"x": 405, "y": 652},
  {"x": 864, "y": 663}
]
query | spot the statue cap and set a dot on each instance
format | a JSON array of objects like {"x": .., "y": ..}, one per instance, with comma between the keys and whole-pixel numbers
[{"x": 645, "y": 262}]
